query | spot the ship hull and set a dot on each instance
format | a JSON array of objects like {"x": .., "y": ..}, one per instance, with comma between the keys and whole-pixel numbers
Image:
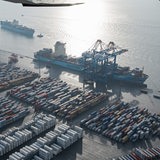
[
  {"x": 26, "y": 32},
  {"x": 116, "y": 77},
  {"x": 129, "y": 78},
  {"x": 60, "y": 63}
]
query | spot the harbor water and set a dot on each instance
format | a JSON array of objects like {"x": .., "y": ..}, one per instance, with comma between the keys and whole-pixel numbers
[{"x": 134, "y": 25}]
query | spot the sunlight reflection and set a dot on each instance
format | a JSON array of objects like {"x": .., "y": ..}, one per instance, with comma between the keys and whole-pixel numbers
[{"x": 86, "y": 20}]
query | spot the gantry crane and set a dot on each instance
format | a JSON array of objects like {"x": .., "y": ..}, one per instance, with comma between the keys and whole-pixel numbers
[{"x": 101, "y": 58}]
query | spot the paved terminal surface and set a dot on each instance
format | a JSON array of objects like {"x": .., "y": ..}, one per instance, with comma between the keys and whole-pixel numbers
[{"x": 94, "y": 147}]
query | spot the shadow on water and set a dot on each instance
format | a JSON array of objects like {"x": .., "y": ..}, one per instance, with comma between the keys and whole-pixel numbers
[
  {"x": 115, "y": 87},
  {"x": 55, "y": 71}
]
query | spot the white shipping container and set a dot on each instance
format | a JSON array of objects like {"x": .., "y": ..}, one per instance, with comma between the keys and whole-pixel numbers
[
  {"x": 18, "y": 140},
  {"x": 5, "y": 144},
  {"x": 71, "y": 138},
  {"x": 23, "y": 152},
  {"x": 37, "y": 158},
  {"x": 40, "y": 142},
  {"x": 56, "y": 150},
  {"x": 44, "y": 154},
  {"x": 51, "y": 137},
  {"x": 67, "y": 139},
  {"x": 53, "y": 117},
  {"x": 29, "y": 132},
  {"x": 31, "y": 149},
  {"x": 22, "y": 135},
  {"x": 20, "y": 155},
  {"x": 27, "y": 150},
  {"x": 16, "y": 156},
  {"x": 58, "y": 131},
  {"x": 19, "y": 136},
  {"x": 34, "y": 147},
  {"x": 61, "y": 142},
  {"x": 48, "y": 140},
  {"x": 39, "y": 126},
  {"x": 38, "y": 145},
  {"x": 2, "y": 150},
  {"x": 73, "y": 134},
  {"x": 14, "y": 141},
  {"x": 79, "y": 130},
  {"x": 49, "y": 149},
  {"x": 53, "y": 133},
  {"x": 10, "y": 142},
  {"x": 66, "y": 126},
  {"x": 62, "y": 129},
  {"x": 26, "y": 135},
  {"x": 35, "y": 130},
  {"x": 11, "y": 157}
]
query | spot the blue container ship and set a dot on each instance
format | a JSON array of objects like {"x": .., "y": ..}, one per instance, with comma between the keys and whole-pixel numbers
[
  {"x": 14, "y": 26},
  {"x": 97, "y": 64}
]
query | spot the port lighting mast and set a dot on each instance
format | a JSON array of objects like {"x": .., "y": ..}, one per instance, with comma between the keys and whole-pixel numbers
[{"x": 101, "y": 58}]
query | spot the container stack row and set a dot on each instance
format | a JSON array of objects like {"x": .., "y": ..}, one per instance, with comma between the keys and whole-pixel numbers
[
  {"x": 11, "y": 111},
  {"x": 54, "y": 142},
  {"x": 11, "y": 76},
  {"x": 31, "y": 129},
  {"x": 45, "y": 93},
  {"x": 79, "y": 105},
  {"x": 143, "y": 154},
  {"x": 56, "y": 96},
  {"x": 123, "y": 122}
]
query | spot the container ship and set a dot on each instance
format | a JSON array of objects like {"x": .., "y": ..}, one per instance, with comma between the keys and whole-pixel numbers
[
  {"x": 14, "y": 26},
  {"x": 97, "y": 64}
]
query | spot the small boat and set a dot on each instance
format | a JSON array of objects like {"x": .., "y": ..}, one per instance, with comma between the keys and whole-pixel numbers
[
  {"x": 156, "y": 96},
  {"x": 144, "y": 91},
  {"x": 40, "y": 35}
]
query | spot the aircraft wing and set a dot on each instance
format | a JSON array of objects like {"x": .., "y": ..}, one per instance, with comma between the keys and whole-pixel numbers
[{"x": 47, "y": 3}]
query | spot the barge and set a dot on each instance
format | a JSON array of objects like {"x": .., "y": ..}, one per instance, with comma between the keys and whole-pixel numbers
[{"x": 97, "y": 64}]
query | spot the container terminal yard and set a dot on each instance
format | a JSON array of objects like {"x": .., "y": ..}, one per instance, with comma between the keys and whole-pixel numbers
[
  {"x": 12, "y": 76},
  {"x": 53, "y": 112}
]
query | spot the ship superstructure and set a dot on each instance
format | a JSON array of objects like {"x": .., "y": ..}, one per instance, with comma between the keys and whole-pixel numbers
[
  {"x": 58, "y": 57},
  {"x": 14, "y": 26},
  {"x": 97, "y": 64}
]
